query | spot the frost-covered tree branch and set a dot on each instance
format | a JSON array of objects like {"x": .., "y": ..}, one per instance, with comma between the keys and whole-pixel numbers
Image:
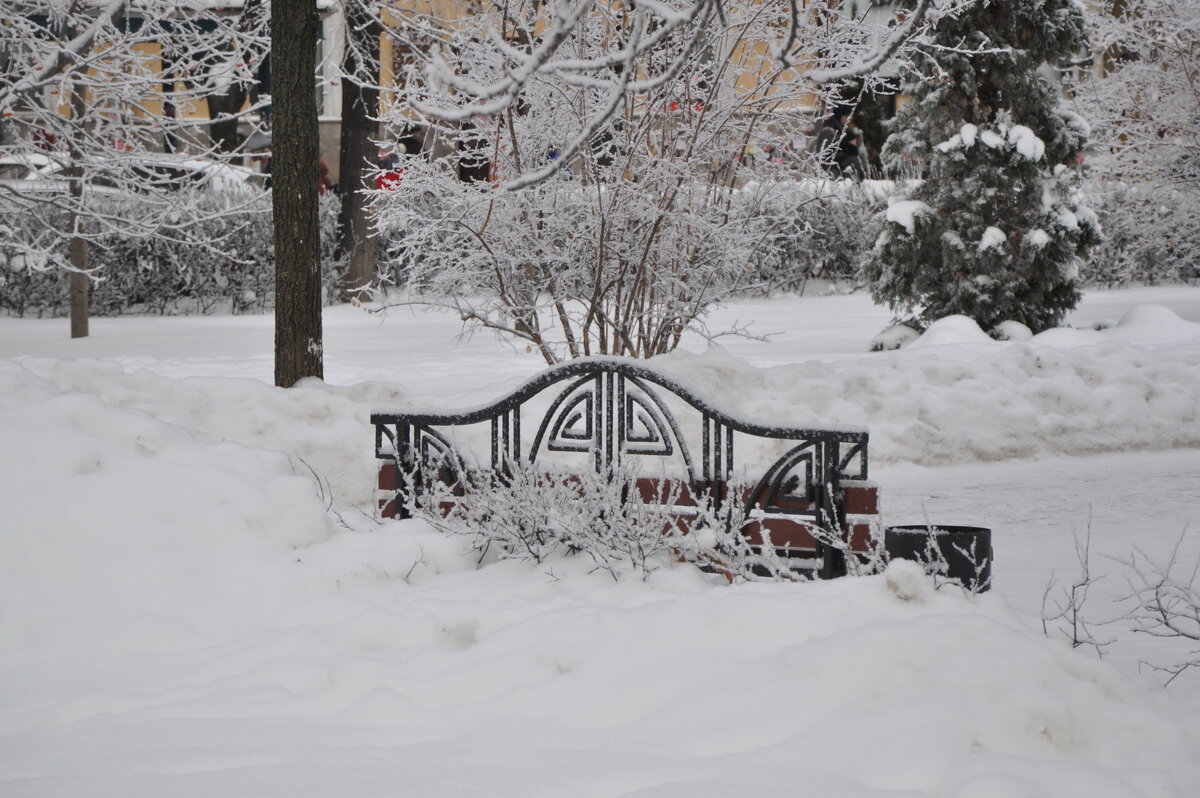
[
  {"x": 915, "y": 22},
  {"x": 595, "y": 176},
  {"x": 636, "y": 48},
  {"x": 56, "y": 61},
  {"x": 91, "y": 95},
  {"x": 1165, "y": 593},
  {"x": 1142, "y": 99}
]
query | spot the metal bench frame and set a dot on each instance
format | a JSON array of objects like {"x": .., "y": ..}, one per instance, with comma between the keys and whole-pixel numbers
[{"x": 613, "y": 409}]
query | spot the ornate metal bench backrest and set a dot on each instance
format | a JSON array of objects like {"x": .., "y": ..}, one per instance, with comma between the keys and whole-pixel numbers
[{"x": 613, "y": 409}]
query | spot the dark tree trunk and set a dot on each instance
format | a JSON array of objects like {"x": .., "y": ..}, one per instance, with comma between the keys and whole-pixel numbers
[
  {"x": 78, "y": 286},
  {"x": 78, "y": 281},
  {"x": 225, "y": 132},
  {"x": 356, "y": 159},
  {"x": 170, "y": 69},
  {"x": 294, "y": 177}
]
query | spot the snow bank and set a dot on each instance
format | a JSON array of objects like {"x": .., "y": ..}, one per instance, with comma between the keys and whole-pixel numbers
[
  {"x": 195, "y": 601},
  {"x": 181, "y": 616},
  {"x": 320, "y": 428},
  {"x": 954, "y": 395}
]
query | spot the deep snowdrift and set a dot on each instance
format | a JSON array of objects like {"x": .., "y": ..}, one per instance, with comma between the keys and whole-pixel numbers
[
  {"x": 196, "y": 601},
  {"x": 955, "y": 396}
]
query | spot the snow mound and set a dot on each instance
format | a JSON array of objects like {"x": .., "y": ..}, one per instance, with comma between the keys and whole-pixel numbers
[
  {"x": 954, "y": 395},
  {"x": 951, "y": 330},
  {"x": 908, "y": 581},
  {"x": 320, "y": 427},
  {"x": 1013, "y": 331},
  {"x": 1154, "y": 323},
  {"x": 894, "y": 337}
]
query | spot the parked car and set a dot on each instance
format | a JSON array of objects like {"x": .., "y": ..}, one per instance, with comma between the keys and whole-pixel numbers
[
  {"x": 174, "y": 172},
  {"x": 34, "y": 174},
  {"x": 38, "y": 173},
  {"x": 26, "y": 166}
]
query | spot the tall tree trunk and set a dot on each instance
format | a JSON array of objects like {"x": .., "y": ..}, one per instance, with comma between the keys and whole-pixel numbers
[
  {"x": 225, "y": 132},
  {"x": 78, "y": 281},
  {"x": 294, "y": 176},
  {"x": 356, "y": 158}
]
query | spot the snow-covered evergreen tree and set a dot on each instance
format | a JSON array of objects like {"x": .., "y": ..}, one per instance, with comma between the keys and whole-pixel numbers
[{"x": 996, "y": 228}]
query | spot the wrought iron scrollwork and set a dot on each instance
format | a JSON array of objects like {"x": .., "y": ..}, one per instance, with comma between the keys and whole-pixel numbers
[
  {"x": 610, "y": 415},
  {"x": 791, "y": 484},
  {"x": 614, "y": 409}
]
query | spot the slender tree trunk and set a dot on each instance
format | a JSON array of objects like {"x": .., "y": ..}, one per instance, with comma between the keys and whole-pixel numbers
[
  {"x": 170, "y": 71},
  {"x": 360, "y": 109},
  {"x": 294, "y": 177},
  {"x": 78, "y": 284},
  {"x": 78, "y": 281},
  {"x": 225, "y": 133}
]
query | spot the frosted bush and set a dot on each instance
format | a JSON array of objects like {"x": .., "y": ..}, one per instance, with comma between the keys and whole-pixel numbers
[
  {"x": 1149, "y": 232},
  {"x": 162, "y": 275},
  {"x": 537, "y": 515},
  {"x": 815, "y": 235}
]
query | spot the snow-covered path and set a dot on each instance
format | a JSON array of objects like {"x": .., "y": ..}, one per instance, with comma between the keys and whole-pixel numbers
[{"x": 180, "y": 615}]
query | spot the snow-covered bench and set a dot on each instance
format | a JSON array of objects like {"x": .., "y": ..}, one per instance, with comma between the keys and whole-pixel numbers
[{"x": 807, "y": 487}]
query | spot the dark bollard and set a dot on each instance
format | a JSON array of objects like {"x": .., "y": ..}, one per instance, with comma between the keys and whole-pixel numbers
[{"x": 963, "y": 553}]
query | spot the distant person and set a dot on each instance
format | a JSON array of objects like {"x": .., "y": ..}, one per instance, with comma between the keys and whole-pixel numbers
[
  {"x": 390, "y": 173},
  {"x": 830, "y": 144},
  {"x": 409, "y": 145},
  {"x": 848, "y": 159},
  {"x": 45, "y": 140}
]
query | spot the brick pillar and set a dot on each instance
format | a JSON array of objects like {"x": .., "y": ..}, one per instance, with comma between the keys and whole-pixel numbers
[
  {"x": 862, "y": 526},
  {"x": 388, "y": 482}
]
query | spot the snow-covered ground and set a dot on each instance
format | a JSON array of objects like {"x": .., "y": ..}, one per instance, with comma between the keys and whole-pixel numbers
[{"x": 196, "y": 601}]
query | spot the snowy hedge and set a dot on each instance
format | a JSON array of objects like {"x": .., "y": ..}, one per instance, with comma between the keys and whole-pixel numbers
[
  {"x": 818, "y": 232},
  {"x": 158, "y": 274},
  {"x": 1149, "y": 235}
]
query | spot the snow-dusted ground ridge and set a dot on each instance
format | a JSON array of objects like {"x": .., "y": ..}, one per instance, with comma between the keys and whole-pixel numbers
[
  {"x": 955, "y": 396},
  {"x": 196, "y": 600}
]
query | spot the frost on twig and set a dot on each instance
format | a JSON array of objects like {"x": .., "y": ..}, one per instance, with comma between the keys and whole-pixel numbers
[
  {"x": 1165, "y": 600},
  {"x": 539, "y": 515},
  {"x": 1065, "y": 608},
  {"x": 612, "y": 54},
  {"x": 103, "y": 112}
]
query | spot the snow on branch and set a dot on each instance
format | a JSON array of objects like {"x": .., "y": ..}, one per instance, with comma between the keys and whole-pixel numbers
[
  {"x": 59, "y": 59},
  {"x": 128, "y": 128},
  {"x": 480, "y": 67},
  {"x": 900, "y": 36}
]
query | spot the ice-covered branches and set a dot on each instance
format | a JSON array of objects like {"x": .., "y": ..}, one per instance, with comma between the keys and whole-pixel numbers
[
  {"x": 483, "y": 66},
  {"x": 1142, "y": 99},
  {"x": 92, "y": 94},
  {"x": 630, "y": 220}
]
